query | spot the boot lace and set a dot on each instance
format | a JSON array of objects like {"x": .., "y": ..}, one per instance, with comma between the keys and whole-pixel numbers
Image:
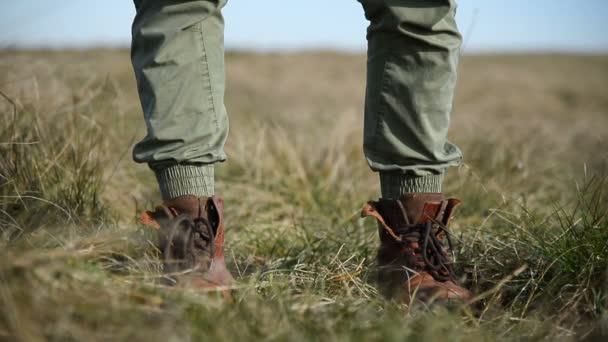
[
  {"x": 430, "y": 253},
  {"x": 204, "y": 230},
  {"x": 183, "y": 230}
]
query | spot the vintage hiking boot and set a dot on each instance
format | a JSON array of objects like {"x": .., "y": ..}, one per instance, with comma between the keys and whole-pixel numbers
[
  {"x": 191, "y": 239},
  {"x": 413, "y": 258}
]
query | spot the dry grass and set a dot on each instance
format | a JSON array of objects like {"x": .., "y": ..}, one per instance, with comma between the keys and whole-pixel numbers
[{"x": 532, "y": 234}]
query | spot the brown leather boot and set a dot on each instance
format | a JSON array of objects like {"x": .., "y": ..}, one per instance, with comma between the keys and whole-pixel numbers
[
  {"x": 413, "y": 259},
  {"x": 191, "y": 239}
]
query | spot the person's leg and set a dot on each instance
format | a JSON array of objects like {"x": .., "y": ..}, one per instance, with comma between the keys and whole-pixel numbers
[
  {"x": 178, "y": 58},
  {"x": 412, "y": 57}
]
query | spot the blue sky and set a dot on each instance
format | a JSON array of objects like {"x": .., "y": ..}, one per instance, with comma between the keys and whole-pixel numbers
[{"x": 488, "y": 25}]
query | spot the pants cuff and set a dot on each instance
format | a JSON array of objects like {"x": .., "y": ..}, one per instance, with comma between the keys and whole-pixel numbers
[
  {"x": 395, "y": 185},
  {"x": 185, "y": 179}
]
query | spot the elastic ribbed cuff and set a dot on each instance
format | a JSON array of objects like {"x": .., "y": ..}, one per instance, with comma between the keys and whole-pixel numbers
[
  {"x": 186, "y": 179},
  {"x": 395, "y": 185}
]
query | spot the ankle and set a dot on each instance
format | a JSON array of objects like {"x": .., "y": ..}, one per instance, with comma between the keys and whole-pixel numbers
[
  {"x": 397, "y": 185},
  {"x": 180, "y": 180}
]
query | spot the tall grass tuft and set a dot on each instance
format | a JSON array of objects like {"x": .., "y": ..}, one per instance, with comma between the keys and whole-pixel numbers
[
  {"x": 50, "y": 170},
  {"x": 555, "y": 263}
]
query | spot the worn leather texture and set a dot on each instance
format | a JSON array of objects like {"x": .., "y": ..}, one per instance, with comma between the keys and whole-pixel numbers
[
  {"x": 414, "y": 261},
  {"x": 191, "y": 238}
]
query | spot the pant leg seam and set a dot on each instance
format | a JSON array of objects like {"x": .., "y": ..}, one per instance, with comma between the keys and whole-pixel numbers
[
  {"x": 384, "y": 86},
  {"x": 209, "y": 86}
]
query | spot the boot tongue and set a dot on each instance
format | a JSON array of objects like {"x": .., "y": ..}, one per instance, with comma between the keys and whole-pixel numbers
[
  {"x": 422, "y": 207},
  {"x": 418, "y": 208},
  {"x": 189, "y": 205}
]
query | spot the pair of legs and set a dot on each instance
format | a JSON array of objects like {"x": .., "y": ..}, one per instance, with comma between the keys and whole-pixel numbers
[
  {"x": 413, "y": 48},
  {"x": 178, "y": 57}
]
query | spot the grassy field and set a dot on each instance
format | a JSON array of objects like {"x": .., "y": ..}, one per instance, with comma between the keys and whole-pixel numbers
[{"x": 532, "y": 233}]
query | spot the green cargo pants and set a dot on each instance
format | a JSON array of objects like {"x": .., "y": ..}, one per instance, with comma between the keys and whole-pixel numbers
[{"x": 178, "y": 58}]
